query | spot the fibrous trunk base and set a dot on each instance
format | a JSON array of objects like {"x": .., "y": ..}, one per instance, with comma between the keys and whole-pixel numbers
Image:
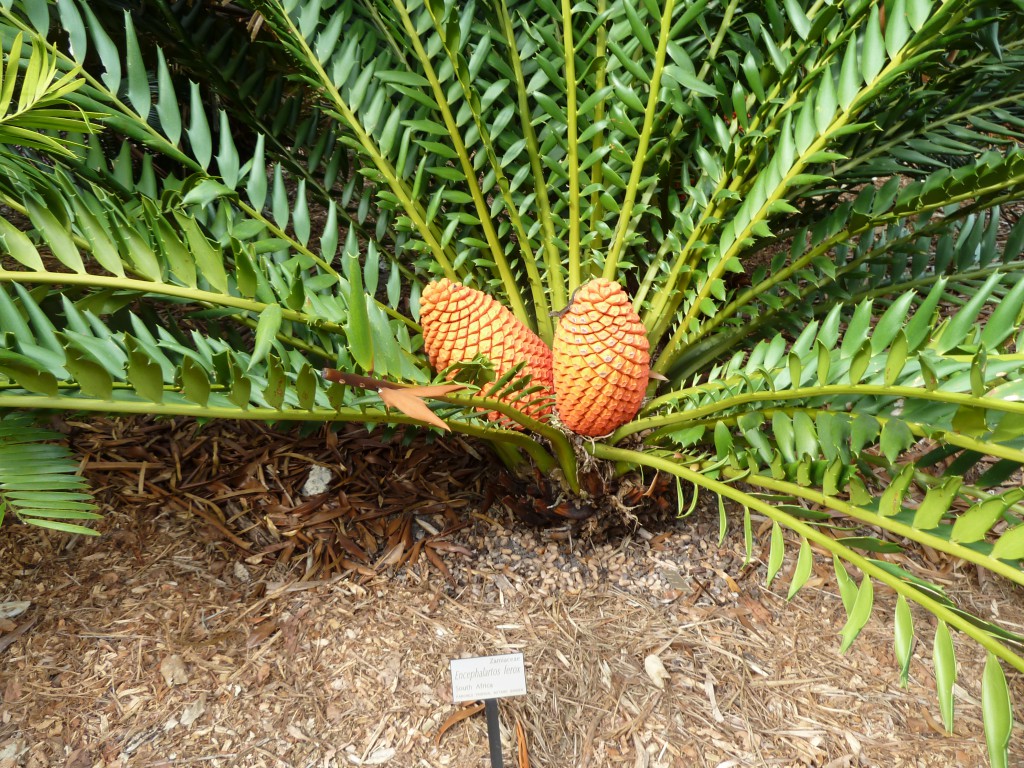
[{"x": 542, "y": 500}]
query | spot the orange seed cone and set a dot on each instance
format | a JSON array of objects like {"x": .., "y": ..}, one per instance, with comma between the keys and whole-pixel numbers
[
  {"x": 460, "y": 323},
  {"x": 601, "y": 360}
]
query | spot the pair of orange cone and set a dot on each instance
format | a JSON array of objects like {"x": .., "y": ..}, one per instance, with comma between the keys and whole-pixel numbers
[{"x": 598, "y": 366}]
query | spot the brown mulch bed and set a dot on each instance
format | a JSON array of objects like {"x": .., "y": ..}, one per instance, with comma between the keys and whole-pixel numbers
[
  {"x": 247, "y": 483},
  {"x": 227, "y": 618}
]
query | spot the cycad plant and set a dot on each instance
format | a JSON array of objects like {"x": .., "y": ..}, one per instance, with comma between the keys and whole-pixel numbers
[{"x": 206, "y": 205}]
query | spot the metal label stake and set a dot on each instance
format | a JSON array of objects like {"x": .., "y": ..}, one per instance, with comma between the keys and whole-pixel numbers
[{"x": 494, "y": 732}]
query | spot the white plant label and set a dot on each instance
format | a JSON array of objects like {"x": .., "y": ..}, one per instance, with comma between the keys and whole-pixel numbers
[{"x": 488, "y": 677}]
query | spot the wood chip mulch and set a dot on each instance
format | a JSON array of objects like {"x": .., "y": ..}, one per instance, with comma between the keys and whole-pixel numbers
[{"x": 230, "y": 616}]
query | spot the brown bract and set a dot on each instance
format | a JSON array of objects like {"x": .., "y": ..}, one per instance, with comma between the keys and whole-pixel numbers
[
  {"x": 460, "y": 323},
  {"x": 601, "y": 360}
]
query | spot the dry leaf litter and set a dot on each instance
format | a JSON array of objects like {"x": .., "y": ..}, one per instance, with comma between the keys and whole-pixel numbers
[{"x": 193, "y": 631}]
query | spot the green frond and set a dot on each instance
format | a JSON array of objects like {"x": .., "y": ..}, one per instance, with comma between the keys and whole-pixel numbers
[
  {"x": 952, "y": 251},
  {"x": 39, "y": 483},
  {"x": 36, "y": 111}
]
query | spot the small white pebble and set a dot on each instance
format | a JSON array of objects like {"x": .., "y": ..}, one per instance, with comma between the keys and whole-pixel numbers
[{"x": 318, "y": 482}]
